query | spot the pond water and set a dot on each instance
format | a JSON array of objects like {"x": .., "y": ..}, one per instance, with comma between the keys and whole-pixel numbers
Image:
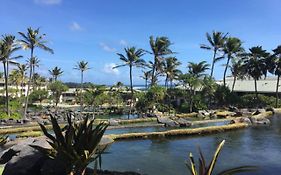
[
  {"x": 123, "y": 116},
  {"x": 258, "y": 146}
]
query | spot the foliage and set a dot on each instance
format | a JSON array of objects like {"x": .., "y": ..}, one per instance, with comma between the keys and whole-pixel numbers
[
  {"x": 38, "y": 95},
  {"x": 224, "y": 97},
  {"x": 250, "y": 101},
  {"x": 57, "y": 89},
  {"x": 205, "y": 169},
  {"x": 3, "y": 140},
  {"x": 77, "y": 146}
]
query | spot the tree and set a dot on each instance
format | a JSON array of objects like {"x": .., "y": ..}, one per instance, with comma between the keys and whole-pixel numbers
[
  {"x": 55, "y": 73},
  {"x": 232, "y": 48},
  {"x": 82, "y": 66},
  {"x": 255, "y": 64},
  {"x": 22, "y": 68},
  {"x": 38, "y": 95},
  {"x": 237, "y": 71},
  {"x": 32, "y": 63},
  {"x": 171, "y": 71},
  {"x": 57, "y": 89},
  {"x": 193, "y": 79},
  {"x": 275, "y": 68},
  {"x": 146, "y": 76},
  {"x": 8, "y": 46},
  {"x": 160, "y": 48},
  {"x": 216, "y": 43},
  {"x": 132, "y": 58},
  {"x": 31, "y": 40}
]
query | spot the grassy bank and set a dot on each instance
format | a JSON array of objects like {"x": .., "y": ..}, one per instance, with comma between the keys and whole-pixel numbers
[{"x": 178, "y": 132}]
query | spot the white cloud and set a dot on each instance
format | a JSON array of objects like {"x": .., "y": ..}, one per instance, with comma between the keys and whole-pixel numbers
[
  {"x": 107, "y": 48},
  {"x": 75, "y": 26},
  {"x": 48, "y": 2},
  {"x": 123, "y": 43},
  {"x": 108, "y": 68}
]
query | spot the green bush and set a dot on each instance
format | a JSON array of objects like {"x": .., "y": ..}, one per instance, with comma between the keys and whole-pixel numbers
[{"x": 250, "y": 101}]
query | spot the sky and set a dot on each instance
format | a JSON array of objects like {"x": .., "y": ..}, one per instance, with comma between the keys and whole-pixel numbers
[{"x": 95, "y": 30}]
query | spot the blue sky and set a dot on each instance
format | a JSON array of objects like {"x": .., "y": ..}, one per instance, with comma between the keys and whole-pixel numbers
[{"x": 94, "y": 30}]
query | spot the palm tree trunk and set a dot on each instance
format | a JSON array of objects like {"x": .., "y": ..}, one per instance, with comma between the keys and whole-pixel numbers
[
  {"x": 277, "y": 86},
  {"x": 81, "y": 94},
  {"x": 171, "y": 84},
  {"x": 166, "y": 82},
  {"x": 28, "y": 86},
  {"x": 6, "y": 87},
  {"x": 256, "y": 89},
  {"x": 146, "y": 83},
  {"x": 213, "y": 63},
  {"x": 225, "y": 70},
  {"x": 234, "y": 81},
  {"x": 132, "y": 91},
  {"x": 153, "y": 71},
  {"x": 191, "y": 100}
]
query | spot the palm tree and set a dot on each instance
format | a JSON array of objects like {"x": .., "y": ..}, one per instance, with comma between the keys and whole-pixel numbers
[
  {"x": 22, "y": 68},
  {"x": 255, "y": 64},
  {"x": 8, "y": 46},
  {"x": 232, "y": 48},
  {"x": 32, "y": 63},
  {"x": 216, "y": 43},
  {"x": 237, "y": 71},
  {"x": 198, "y": 69},
  {"x": 82, "y": 66},
  {"x": 275, "y": 68},
  {"x": 56, "y": 72},
  {"x": 193, "y": 79},
  {"x": 31, "y": 40},
  {"x": 146, "y": 76},
  {"x": 15, "y": 78},
  {"x": 160, "y": 47},
  {"x": 132, "y": 58},
  {"x": 170, "y": 69}
]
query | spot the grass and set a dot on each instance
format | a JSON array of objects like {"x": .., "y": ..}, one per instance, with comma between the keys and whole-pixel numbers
[
  {"x": 179, "y": 132},
  {"x": 30, "y": 134},
  {"x": 1, "y": 170}
]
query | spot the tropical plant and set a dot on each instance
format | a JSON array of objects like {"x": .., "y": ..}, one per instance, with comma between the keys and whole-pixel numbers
[
  {"x": 3, "y": 140},
  {"x": 255, "y": 64},
  {"x": 198, "y": 69},
  {"x": 31, "y": 40},
  {"x": 275, "y": 68},
  {"x": 205, "y": 169},
  {"x": 237, "y": 70},
  {"x": 75, "y": 147},
  {"x": 57, "y": 88},
  {"x": 82, "y": 66},
  {"x": 22, "y": 68},
  {"x": 8, "y": 46},
  {"x": 160, "y": 48},
  {"x": 55, "y": 73},
  {"x": 131, "y": 59},
  {"x": 216, "y": 43},
  {"x": 232, "y": 48},
  {"x": 146, "y": 76},
  {"x": 171, "y": 71},
  {"x": 38, "y": 95}
]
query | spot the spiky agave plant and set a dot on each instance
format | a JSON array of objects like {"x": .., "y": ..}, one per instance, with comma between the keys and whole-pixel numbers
[
  {"x": 76, "y": 145},
  {"x": 3, "y": 140},
  {"x": 208, "y": 169}
]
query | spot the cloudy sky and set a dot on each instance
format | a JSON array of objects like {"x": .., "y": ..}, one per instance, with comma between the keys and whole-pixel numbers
[{"x": 95, "y": 30}]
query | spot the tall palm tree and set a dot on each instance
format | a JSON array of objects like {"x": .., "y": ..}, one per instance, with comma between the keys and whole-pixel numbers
[
  {"x": 82, "y": 66},
  {"x": 31, "y": 40},
  {"x": 232, "y": 48},
  {"x": 146, "y": 76},
  {"x": 255, "y": 64},
  {"x": 22, "y": 68},
  {"x": 8, "y": 46},
  {"x": 56, "y": 72},
  {"x": 132, "y": 58},
  {"x": 170, "y": 69},
  {"x": 160, "y": 48},
  {"x": 216, "y": 42},
  {"x": 33, "y": 62},
  {"x": 275, "y": 68}
]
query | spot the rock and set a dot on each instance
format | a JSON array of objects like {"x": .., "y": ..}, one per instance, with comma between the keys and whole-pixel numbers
[
  {"x": 241, "y": 120},
  {"x": 233, "y": 109},
  {"x": 260, "y": 121},
  {"x": 167, "y": 121},
  {"x": 270, "y": 109},
  {"x": 238, "y": 114},
  {"x": 151, "y": 115},
  {"x": 113, "y": 122},
  {"x": 183, "y": 122}
]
